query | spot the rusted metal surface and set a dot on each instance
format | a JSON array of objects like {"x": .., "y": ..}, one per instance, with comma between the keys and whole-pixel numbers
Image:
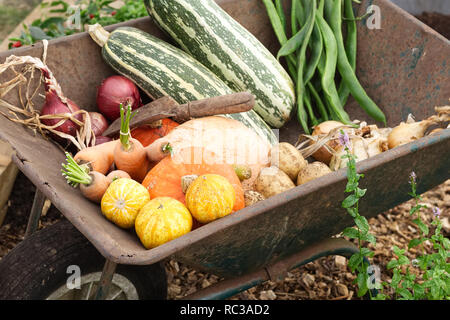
[{"x": 401, "y": 80}]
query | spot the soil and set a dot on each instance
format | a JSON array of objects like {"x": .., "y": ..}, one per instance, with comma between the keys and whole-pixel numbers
[
  {"x": 326, "y": 278},
  {"x": 437, "y": 21}
]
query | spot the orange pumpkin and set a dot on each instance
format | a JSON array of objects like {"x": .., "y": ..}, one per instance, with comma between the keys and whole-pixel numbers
[
  {"x": 148, "y": 134},
  {"x": 164, "y": 180},
  {"x": 227, "y": 138}
]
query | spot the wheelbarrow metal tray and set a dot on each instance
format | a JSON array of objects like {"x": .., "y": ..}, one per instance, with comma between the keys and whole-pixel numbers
[{"x": 405, "y": 68}]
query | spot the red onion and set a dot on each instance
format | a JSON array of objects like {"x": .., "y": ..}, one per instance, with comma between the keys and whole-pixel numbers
[
  {"x": 98, "y": 123},
  {"x": 54, "y": 105},
  {"x": 113, "y": 91},
  {"x": 102, "y": 139}
]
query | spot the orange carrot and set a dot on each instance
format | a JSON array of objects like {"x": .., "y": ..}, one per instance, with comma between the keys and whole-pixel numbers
[
  {"x": 116, "y": 174},
  {"x": 129, "y": 154},
  {"x": 99, "y": 158},
  {"x": 158, "y": 150},
  {"x": 95, "y": 190},
  {"x": 92, "y": 184}
]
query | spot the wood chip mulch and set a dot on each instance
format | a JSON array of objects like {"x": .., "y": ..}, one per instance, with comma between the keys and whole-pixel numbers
[{"x": 329, "y": 278}]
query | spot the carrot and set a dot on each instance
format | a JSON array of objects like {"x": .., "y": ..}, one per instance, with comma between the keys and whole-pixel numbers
[
  {"x": 116, "y": 174},
  {"x": 99, "y": 158},
  {"x": 158, "y": 150},
  {"x": 129, "y": 154},
  {"x": 92, "y": 184}
]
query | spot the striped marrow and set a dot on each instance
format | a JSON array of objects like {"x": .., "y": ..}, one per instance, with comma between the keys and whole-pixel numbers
[
  {"x": 160, "y": 69},
  {"x": 225, "y": 47}
]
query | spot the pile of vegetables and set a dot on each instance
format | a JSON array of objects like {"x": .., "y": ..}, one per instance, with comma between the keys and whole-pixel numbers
[
  {"x": 317, "y": 54},
  {"x": 165, "y": 179}
]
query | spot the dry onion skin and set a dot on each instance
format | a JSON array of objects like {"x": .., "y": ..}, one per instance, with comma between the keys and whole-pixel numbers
[
  {"x": 365, "y": 143},
  {"x": 324, "y": 128},
  {"x": 70, "y": 123},
  {"x": 407, "y": 132}
]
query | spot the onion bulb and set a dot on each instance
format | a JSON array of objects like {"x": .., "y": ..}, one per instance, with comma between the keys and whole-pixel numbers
[
  {"x": 98, "y": 123},
  {"x": 407, "y": 132},
  {"x": 323, "y": 155},
  {"x": 113, "y": 91},
  {"x": 102, "y": 139},
  {"x": 53, "y": 106}
]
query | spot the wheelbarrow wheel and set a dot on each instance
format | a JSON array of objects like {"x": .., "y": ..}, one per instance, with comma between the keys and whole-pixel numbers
[{"x": 58, "y": 262}]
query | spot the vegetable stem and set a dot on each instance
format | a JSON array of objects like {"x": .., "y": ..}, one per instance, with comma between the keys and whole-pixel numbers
[
  {"x": 350, "y": 47},
  {"x": 309, "y": 26},
  {"x": 333, "y": 11},
  {"x": 74, "y": 173},
  {"x": 125, "y": 119}
]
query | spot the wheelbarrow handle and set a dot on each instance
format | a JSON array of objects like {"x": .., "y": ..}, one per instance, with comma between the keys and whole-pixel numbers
[{"x": 166, "y": 107}]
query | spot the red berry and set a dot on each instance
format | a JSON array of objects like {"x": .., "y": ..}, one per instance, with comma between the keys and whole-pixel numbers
[
  {"x": 17, "y": 44},
  {"x": 91, "y": 16},
  {"x": 113, "y": 13}
]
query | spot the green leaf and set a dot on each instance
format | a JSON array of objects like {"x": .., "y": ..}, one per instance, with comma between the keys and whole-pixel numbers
[
  {"x": 360, "y": 192},
  {"x": 354, "y": 261},
  {"x": 352, "y": 211},
  {"x": 361, "y": 280},
  {"x": 64, "y": 4},
  {"x": 52, "y": 20},
  {"x": 414, "y": 243},
  {"x": 392, "y": 264},
  {"x": 367, "y": 252},
  {"x": 351, "y": 186},
  {"x": 369, "y": 238},
  {"x": 380, "y": 296},
  {"x": 362, "y": 224},
  {"x": 350, "y": 201},
  {"x": 403, "y": 260},
  {"x": 352, "y": 233},
  {"x": 405, "y": 293},
  {"x": 419, "y": 291},
  {"x": 38, "y": 34},
  {"x": 422, "y": 226},
  {"x": 398, "y": 251}
]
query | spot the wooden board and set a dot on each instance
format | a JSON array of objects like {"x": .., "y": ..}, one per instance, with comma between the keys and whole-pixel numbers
[{"x": 8, "y": 174}]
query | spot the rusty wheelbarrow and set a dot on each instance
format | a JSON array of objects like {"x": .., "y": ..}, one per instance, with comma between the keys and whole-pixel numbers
[{"x": 405, "y": 67}]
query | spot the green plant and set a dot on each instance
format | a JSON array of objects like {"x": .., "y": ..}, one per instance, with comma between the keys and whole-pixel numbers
[
  {"x": 66, "y": 20},
  {"x": 433, "y": 269},
  {"x": 425, "y": 277},
  {"x": 359, "y": 261}
]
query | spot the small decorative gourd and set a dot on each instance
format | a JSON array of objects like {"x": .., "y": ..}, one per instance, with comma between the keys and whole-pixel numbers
[
  {"x": 210, "y": 197},
  {"x": 161, "y": 220},
  {"x": 122, "y": 201}
]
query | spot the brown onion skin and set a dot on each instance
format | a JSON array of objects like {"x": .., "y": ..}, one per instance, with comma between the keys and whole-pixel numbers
[
  {"x": 54, "y": 105},
  {"x": 113, "y": 91},
  {"x": 98, "y": 123}
]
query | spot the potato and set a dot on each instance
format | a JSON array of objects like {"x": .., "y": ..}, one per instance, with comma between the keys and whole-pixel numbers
[
  {"x": 272, "y": 181},
  {"x": 252, "y": 197},
  {"x": 286, "y": 157},
  {"x": 312, "y": 171}
]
